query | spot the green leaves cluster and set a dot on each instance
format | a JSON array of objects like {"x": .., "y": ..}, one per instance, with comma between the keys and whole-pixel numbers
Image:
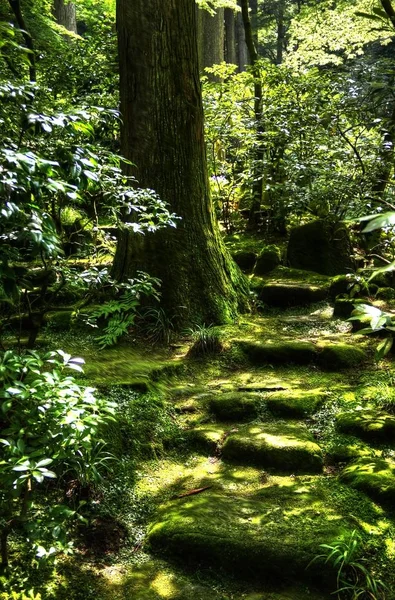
[{"x": 50, "y": 428}]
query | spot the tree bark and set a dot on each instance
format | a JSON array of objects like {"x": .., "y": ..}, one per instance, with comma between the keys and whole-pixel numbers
[
  {"x": 241, "y": 46},
  {"x": 211, "y": 38},
  {"x": 230, "y": 37},
  {"x": 65, "y": 14},
  {"x": 163, "y": 135},
  {"x": 257, "y": 186}
]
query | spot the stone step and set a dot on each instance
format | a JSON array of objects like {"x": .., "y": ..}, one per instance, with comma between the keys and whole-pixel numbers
[
  {"x": 370, "y": 424},
  {"x": 374, "y": 476},
  {"x": 329, "y": 356},
  {"x": 290, "y": 293},
  {"x": 287, "y": 447},
  {"x": 271, "y": 535},
  {"x": 295, "y": 403}
]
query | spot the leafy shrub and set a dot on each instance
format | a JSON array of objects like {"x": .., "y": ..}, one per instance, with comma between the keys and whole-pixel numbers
[{"x": 47, "y": 420}]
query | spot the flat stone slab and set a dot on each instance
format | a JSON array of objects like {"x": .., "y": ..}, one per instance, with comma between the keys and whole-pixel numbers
[
  {"x": 295, "y": 403},
  {"x": 234, "y": 406},
  {"x": 340, "y": 356},
  {"x": 273, "y": 534},
  {"x": 297, "y": 352},
  {"x": 374, "y": 476},
  {"x": 371, "y": 425},
  {"x": 290, "y": 294},
  {"x": 286, "y": 446}
]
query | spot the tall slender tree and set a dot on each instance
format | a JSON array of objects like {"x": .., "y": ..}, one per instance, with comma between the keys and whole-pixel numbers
[{"x": 162, "y": 135}]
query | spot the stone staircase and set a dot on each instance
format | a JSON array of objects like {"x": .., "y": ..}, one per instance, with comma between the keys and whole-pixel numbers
[{"x": 273, "y": 488}]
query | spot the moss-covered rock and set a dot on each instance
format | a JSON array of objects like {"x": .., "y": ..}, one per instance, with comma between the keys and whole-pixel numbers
[
  {"x": 290, "y": 294},
  {"x": 297, "y": 352},
  {"x": 374, "y": 476},
  {"x": 385, "y": 293},
  {"x": 344, "y": 307},
  {"x": 322, "y": 246},
  {"x": 349, "y": 285},
  {"x": 287, "y": 447},
  {"x": 208, "y": 437},
  {"x": 267, "y": 260},
  {"x": 60, "y": 319},
  {"x": 341, "y": 356},
  {"x": 234, "y": 406},
  {"x": 369, "y": 424},
  {"x": 295, "y": 403},
  {"x": 245, "y": 259},
  {"x": 272, "y": 535}
]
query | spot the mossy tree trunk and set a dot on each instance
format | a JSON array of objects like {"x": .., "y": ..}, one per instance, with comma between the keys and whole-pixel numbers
[
  {"x": 65, "y": 14},
  {"x": 162, "y": 134}
]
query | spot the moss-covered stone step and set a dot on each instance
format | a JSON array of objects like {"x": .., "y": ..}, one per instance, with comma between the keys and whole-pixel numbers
[
  {"x": 271, "y": 535},
  {"x": 286, "y": 294},
  {"x": 295, "y": 403},
  {"x": 370, "y": 424},
  {"x": 374, "y": 476},
  {"x": 297, "y": 352},
  {"x": 334, "y": 357},
  {"x": 287, "y": 447},
  {"x": 234, "y": 406}
]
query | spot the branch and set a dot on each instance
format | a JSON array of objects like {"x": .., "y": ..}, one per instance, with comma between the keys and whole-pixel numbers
[{"x": 389, "y": 9}]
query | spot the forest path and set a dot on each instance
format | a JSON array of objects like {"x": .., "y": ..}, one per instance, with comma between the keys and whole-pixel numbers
[{"x": 274, "y": 466}]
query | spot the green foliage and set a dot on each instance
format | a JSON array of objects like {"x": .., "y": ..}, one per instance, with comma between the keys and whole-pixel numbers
[
  {"x": 47, "y": 420},
  {"x": 354, "y": 580},
  {"x": 206, "y": 340},
  {"x": 377, "y": 320},
  {"x": 120, "y": 314}
]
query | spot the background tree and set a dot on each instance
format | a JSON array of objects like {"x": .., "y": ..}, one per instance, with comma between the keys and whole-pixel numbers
[{"x": 163, "y": 135}]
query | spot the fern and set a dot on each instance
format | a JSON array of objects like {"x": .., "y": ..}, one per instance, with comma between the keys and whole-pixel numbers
[{"x": 120, "y": 313}]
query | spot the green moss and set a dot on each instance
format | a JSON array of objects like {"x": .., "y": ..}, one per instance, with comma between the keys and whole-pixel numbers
[
  {"x": 282, "y": 352},
  {"x": 374, "y": 476},
  {"x": 268, "y": 259},
  {"x": 207, "y": 437},
  {"x": 341, "y": 356},
  {"x": 323, "y": 246},
  {"x": 288, "y": 447},
  {"x": 344, "y": 307},
  {"x": 290, "y": 294},
  {"x": 234, "y": 406},
  {"x": 270, "y": 535},
  {"x": 350, "y": 284},
  {"x": 385, "y": 293},
  {"x": 369, "y": 424},
  {"x": 245, "y": 260},
  {"x": 61, "y": 319},
  {"x": 295, "y": 403}
]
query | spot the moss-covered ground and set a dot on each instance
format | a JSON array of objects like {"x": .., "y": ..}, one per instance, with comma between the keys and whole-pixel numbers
[{"x": 235, "y": 466}]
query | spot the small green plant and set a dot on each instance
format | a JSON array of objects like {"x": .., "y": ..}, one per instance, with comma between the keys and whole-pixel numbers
[
  {"x": 157, "y": 326},
  {"x": 377, "y": 320},
  {"x": 206, "y": 340},
  {"x": 353, "y": 579}
]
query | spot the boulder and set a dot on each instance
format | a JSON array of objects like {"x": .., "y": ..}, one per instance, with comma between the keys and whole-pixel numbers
[
  {"x": 290, "y": 294},
  {"x": 234, "y": 406},
  {"x": 370, "y": 424},
  {"x": 267, "y": 260},
  {"x": 295, "y": 403},
  {"x": 245, "y": 259},
  {"x": 298, "y": 352},
  {"x": 321, "y": 246}
]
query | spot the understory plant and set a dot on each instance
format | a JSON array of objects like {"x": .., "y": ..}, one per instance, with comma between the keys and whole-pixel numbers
[
  {"x": 354, "y": 580},
  {"x": 50, "y": 428}
]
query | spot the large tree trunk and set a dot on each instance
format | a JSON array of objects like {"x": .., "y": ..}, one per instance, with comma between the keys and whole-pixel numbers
[
  {"x": 230, "y": 37},
  {"x": 162, "y": 134},
  {"x": 65, "y": 14},
  {"x": 211, "y": 38},
  {"x": 241, "y": 46}
]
